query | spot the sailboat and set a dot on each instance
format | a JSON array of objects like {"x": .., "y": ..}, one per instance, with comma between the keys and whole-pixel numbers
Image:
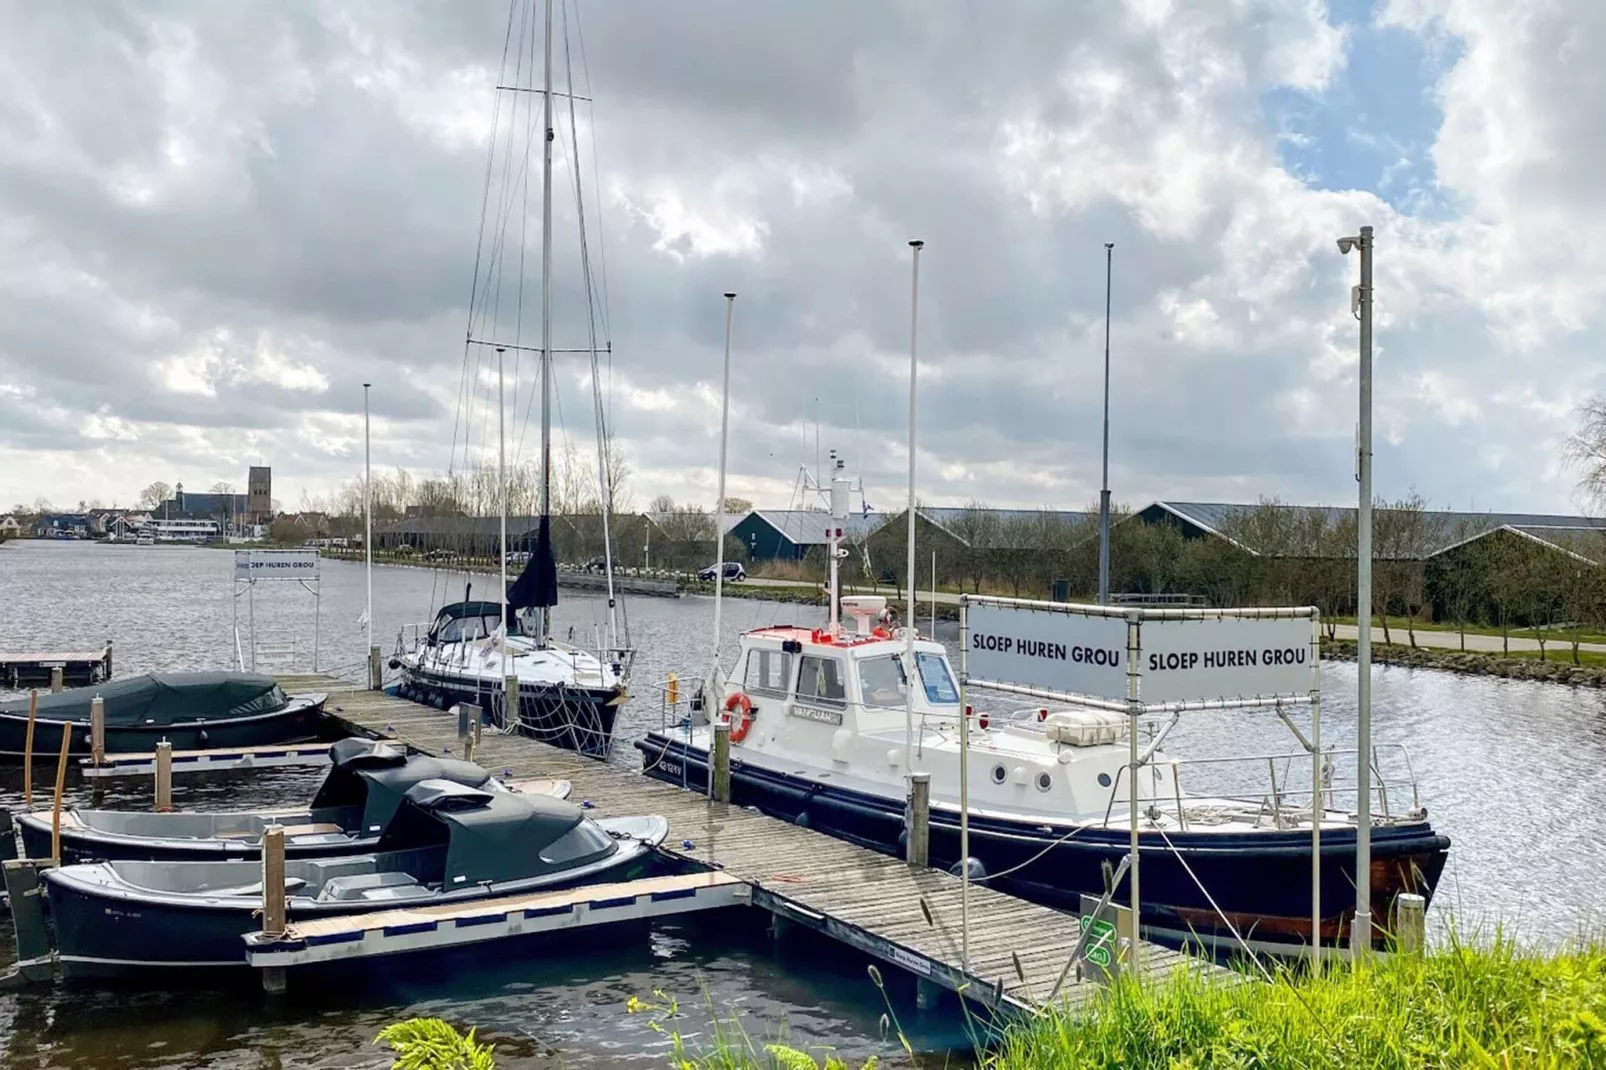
[{"x": 499, "y": 653}]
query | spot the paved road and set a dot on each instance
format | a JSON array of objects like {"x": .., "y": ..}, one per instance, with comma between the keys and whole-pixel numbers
[{"x": 1424, "y": 637}]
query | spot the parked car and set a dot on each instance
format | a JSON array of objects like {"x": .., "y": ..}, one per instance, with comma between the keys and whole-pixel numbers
[
  {"x": 733, "y": 571},
  {"x": 598, "y": 564}
]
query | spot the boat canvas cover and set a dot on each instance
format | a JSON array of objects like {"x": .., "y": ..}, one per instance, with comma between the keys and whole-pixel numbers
[
  {"x": 537, "y": 585},
  {"x": 490, "y": 836},
  {"x": 164, "y": 698},
  {"x": 363, "y": 774}
]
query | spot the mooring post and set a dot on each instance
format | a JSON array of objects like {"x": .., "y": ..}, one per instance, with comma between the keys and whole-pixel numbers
[
  {"x": 56, "y": 679},
  {"x": 97, "y": 730},
  {"x": 108, "y": 659},
  {"x": 164, "y": 777},
  {"x": 721, "y": 773},
  {"x": 469, "y": 718},
  {"x": 61, "y": 786},
  {"x": 919, "y": 848},
  {"x": 27, "y": 750},
  {"x": 1410, "y": 922},
  {"x": 34, "y": 963},
  {"x": 376, "y": 678},
  {"x": 510, "y": 701},
  {"x": 274, "y": 917}
]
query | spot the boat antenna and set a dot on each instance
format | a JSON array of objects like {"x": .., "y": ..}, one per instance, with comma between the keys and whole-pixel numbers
[
  {"x": 909, "y": 625},
  {"x": 719, "y": 506},
  {"x": 368, "y": 515}
]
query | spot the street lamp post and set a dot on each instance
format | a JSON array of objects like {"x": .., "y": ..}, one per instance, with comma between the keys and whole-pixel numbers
[
  {"x": 1104, "y": 485},
  {"x": 1361, "y": 306}
]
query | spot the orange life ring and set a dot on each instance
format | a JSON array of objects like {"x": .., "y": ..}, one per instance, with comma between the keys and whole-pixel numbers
[{"x": 740, "y": 726}]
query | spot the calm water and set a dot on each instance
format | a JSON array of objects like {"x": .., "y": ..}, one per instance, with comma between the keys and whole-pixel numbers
[{"x": 1512, "y": 771}]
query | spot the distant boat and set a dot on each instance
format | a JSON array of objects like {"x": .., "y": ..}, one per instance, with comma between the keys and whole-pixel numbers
[
  {"x": 365, "y": 785},
  {"x": 191, "y": 710},
  {"x": 447, "y": 844}
]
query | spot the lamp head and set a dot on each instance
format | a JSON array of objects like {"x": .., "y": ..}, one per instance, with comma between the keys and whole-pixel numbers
[{"x": 1346, "y": 244}]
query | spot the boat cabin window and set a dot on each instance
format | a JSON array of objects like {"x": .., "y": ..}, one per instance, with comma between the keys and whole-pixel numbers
[
  {"x": 463, "y": 629},
  {"x": 583, "y": 841},
  {"x": 769, "y": 672},
  {"x": 938, "y": 681},
  {"x": 821, "y": 680},
  {"x": 881, "y": 681}
]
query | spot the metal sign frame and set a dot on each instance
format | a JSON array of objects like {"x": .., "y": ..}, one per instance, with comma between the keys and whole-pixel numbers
[
  {"x": 247, "y": 586},
  {"x": 1135, "y": 708}
]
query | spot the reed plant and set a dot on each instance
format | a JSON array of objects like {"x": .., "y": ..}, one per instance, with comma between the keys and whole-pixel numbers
[{"x": 1491, "y": 1004}]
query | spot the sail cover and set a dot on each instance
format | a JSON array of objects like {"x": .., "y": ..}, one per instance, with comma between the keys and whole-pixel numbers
[
  {"x": 163, "y": 698},
  {"x": 537, "y": 585}
]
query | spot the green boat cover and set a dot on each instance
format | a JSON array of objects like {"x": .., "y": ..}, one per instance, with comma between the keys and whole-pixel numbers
[
  {"x": 377, "y": 776},
  {"x": 163, "y": 699}
]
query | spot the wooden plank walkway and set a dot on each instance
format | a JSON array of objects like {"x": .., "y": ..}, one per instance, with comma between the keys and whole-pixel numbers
[
  {"x": 32, "y": 669},
  {"x": 871, "y": 901}
]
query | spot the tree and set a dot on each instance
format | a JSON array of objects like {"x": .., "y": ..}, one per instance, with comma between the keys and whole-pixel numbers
[
  {"x": 977, "y": 528},
  {"x": 1457, "y": 577},
  {"x": 737, "y": 506},
  {"x": 1585, "y": 449}
]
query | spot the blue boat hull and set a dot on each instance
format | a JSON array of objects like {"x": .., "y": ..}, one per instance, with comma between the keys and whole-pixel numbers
[{"x": 1260, "y": 880}]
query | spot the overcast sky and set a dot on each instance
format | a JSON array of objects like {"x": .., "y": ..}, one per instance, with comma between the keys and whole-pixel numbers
[{"x": 217, "y": 220}]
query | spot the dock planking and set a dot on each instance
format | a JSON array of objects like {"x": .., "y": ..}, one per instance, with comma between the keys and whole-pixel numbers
[{"x": 869, "y": 901}]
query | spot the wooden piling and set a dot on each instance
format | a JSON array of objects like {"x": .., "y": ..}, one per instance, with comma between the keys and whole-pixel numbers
[
  {"x": 61, "y": 786},
  {"x": 376, "y": 677},
  {"x": 108, "y": 659},
  {"x": 27, "y": 750},
  {"x": 510, "y": 701},
  {"x": 34, "y": 963},
  {"x": 721, "y": 773},
  {"x": 918, "y": 850},
  {"x": 275, "y": 912},
  {"x": 57, "y": 679},
  {"x": 97, "y": 730},
  {"x": 164, "y": 777},
  {"x": 1410, "y": 923}
]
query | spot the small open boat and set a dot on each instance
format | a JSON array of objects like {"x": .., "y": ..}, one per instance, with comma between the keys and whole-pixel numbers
[
  {"x": 191, "y": 710},
  {"x": 447, "y": 843},
  {"x": 362, "y": 791}
]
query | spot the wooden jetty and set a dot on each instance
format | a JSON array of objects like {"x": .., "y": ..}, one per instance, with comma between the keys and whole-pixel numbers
[
  {"x": 208, "y": 761},
  {"x": 906, "y": 916},
  {"x": 78, "y": 668}
]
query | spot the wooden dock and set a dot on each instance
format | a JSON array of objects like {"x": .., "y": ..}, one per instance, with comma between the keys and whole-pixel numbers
[
  {"x": 78, "y": 668},
  {"x": 870, "y": 901}
]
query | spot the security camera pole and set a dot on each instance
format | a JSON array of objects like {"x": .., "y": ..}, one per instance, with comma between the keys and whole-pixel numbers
[
  {"x": 1361, "y": 306},
  {"x": 1104, "y": 487}
]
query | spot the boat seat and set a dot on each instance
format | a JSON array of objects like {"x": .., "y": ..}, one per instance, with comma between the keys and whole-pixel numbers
[
  {"x": 310, "y": 830},
  {"x": 315, "y": 838},
  {"x": 291, "y": 884},
  {"x": 357, "y": 885},
  {"x": 402, "y": 891}
]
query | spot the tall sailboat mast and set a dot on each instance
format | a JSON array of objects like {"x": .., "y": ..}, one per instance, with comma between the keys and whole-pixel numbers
[{"x": 546, "y": 298}]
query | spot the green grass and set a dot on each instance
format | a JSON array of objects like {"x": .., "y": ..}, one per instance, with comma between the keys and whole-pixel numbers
[
  {"x": 1398, "y": 624},
  {"x": 1494, "y": 1005},
  {"x": 1497, "y": 1005}
]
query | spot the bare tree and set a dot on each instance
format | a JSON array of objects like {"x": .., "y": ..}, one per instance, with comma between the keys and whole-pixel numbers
[
  {"x": 154, "y": 495},
  {"x": 1585, "y": 449}
]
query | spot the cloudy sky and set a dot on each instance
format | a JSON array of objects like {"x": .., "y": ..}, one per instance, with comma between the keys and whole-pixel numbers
[{"x": 218, "y": 220}]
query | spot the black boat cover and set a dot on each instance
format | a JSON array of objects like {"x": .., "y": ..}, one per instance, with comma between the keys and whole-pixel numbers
[
  {"x": 163, "y": 698},
  {"x": 502, "y": 838},
  {"x": 364, "y": 773}
]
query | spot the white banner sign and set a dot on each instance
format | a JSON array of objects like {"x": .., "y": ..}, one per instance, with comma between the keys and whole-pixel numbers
[
  {"x": 1053, "y": 651},
  {"x": 275, "y": 564},
  {"x": 1225, "y": 658},
  {"x": 1181, "y": 660}
]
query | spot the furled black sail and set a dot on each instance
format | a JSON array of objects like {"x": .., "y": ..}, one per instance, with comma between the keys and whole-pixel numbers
[{"x": 537, "y": 585}]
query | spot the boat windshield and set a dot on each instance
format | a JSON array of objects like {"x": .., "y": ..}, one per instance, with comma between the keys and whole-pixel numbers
[
  {"x": 462, "y": 629},
  {"x": 881, "y": 681},
  {"x": 938, "y": 681}
]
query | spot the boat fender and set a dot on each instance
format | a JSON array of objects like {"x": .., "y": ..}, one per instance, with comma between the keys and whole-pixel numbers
[
  {"x": 978, "y": 872},
  {"x": 802, "y": 819},
  {"x": 740, "y": 704},
  {"x": 202, "y": 737}
]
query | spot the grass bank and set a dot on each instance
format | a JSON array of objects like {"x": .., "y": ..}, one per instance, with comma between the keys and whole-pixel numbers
[
  {"x": 1517, "y": 665},
  {"x": 1495, "y": 1006}
]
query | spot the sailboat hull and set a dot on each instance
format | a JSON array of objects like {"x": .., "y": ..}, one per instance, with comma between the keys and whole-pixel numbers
[
  {"x": 572, "y": 718},
  {"x": 1260, "y": 880}
]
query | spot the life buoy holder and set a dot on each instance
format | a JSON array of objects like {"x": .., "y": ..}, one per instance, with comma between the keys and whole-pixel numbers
[{"x": 741, "y": 724}]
